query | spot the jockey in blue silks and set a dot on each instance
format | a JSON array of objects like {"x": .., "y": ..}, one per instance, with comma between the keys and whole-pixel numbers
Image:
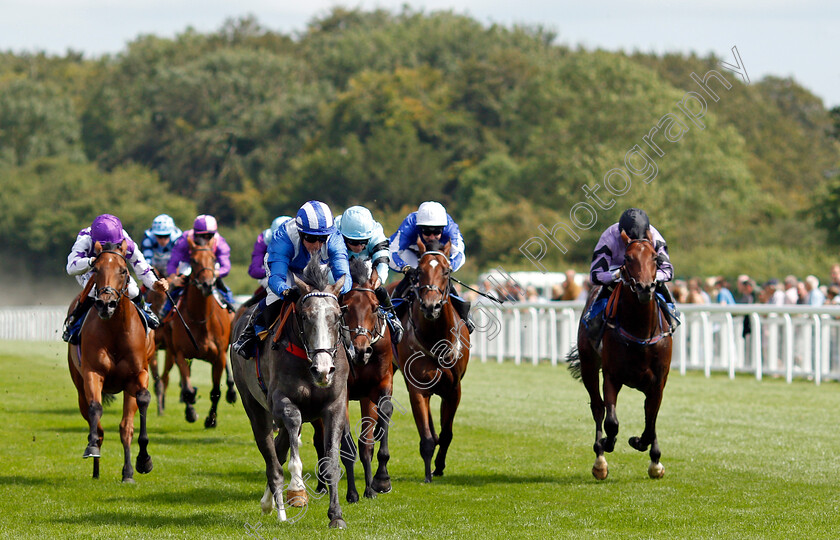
[
  {"x": 608, "y": 258},
  {"x": 365, "y": 240},
  {"x": 429, "y": 222},
  {"x": 107, "y": 231},
  {"x": 158, "y": 241},
  {"x": 312, "y": 231}
]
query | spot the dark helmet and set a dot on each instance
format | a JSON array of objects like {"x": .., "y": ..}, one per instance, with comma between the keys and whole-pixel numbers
[{"x": 635, "y": 223}]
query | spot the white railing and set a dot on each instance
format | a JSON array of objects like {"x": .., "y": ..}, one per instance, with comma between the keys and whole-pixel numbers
[{"x": 785, "y": 341}]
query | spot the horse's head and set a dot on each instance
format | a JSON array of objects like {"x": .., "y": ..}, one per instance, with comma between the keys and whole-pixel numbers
[
  {"x": 432, "y": 278},
  {"x": 202, "y": 264},
  {"x": 361, "y": 310},
  {"x": 111, "y": 277},
  {"x": 639, "y": 269},
  {"x": 319, "y": 317}
]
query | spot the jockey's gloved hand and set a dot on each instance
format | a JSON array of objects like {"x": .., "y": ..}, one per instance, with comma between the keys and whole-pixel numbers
[
  {"x": 616, "y": 276},
  {"x": 292, "y": 294},
  {"x": 408, "y": 271}
]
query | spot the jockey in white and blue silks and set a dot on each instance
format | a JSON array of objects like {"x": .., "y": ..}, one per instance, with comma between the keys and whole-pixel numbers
[
  {"x": 312, "y": 230},
  {"x": 158, "y": 241},
  {"x": 365, "y": 240},
  {"x": 107, "y": 230},
  {"x": 609, "y": 257},
  {"x": 429, "y": 222}
]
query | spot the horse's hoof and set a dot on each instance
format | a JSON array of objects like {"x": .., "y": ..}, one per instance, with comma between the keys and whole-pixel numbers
[
  {"x": 297, "y": 499},
  {"x": 437, "y": 472},
  {"x": 352, "y": 497},
  {"x": 210, "y": 421},
  {"x": 656, "y": 470},
  {"x": 91, "y": 451},
  {"x": 636, "y": 442},
  {"x": 600, "y": 470},
  {"x": 428, "y": 480},
  {"x": 128, "y": 480},
  {"x": 338, "y": 523},
  {"x": 230, "y": 396},
  {"x": 381, "y": 486},
  {"x": 370, "y": 493},
  {"x": 191, "y": 415},
  {"x": 607, "y": 444},
  {"x": 144, "y": 466}
]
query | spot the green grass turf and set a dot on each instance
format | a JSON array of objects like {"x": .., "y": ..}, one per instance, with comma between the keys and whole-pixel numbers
[{"x": 743, "y": 459}]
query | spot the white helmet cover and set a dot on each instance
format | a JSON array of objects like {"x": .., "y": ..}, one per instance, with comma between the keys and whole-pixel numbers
[{"x": 431, "y": 214}]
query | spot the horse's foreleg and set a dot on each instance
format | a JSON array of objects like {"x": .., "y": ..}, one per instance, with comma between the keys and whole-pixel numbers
[
  {"x": 370, "y": 417},
  {"x": 420, "y": 409},
  {"x": 448, "y": 407},
  {"x": 382, "y": 480},
  {"x": 168, "y": 362},
  {"x": 653, "y": 400},
  {"x": 318, "y": 443},
  {"x": 127, "y": 433},
  {"x": 335, "y": 421},
  {"x": 144, "y": 460},
  {"x": 216, "y": 392},
  {"x": 611, "y": 390},
  {"x": 290, "y": 416},
  {"x": 230, "y": 396},
  {"x": 348, "y": 454},
  {"x": 93, "y": 397},
  {"x": 188, "y": 392},
  {"x": 262, "y": 426}
]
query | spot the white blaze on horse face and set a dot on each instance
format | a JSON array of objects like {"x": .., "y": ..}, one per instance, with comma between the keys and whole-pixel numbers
[
  {"x": 323, "y": 337},
  {"x": 433, "y": 263}
]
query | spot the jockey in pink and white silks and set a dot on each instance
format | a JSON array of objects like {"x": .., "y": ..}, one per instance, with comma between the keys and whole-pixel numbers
[
  {"x": 429, "y": 222},
  {"x": 205, "y": 230},
  {"x": 107, "y": 230},
  {"x": 609, "y": 257}
]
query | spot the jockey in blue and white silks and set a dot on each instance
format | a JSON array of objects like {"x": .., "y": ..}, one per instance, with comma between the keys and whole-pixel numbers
[
  {"x": 609, "y": 257},
  {"x": 107, "y": 230},
  {"x": 365, "y": 240},
  {"x": 313, "y": 231},
  {"x": 158, "y": 241},
  {"x": 429, "y": 222}
]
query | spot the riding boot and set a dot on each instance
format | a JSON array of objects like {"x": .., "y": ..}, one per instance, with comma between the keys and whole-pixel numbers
[
  {"x": 244, "y": 346},
  {"x": 401, "y": 292},
  {"x": 669, "y": 304},
  {"x": 463, "y": 309},
  {"x": 174, "y": 294},
  {"x": 227, "y": 295},
  {"x": 75, "y": 316},
  {"x": 593, "y": 319},
  {"x": 146, "y": 310},
  {"x": 388, "y": 308}
]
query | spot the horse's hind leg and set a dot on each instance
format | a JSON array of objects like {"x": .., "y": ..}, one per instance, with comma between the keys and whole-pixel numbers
[
  {"x": 230, "y": 396},
  {"x": 653, "y": 399},
  {"x": 589, "y": 374},
  {"x": 188, "y": 392},
  {"x": 370, "y": 417},
  {"x": 144, "y": 460},
  {"x": 448, "y": 407},
  {"x": 216, "y": 392},
  {"x": 382, "y": 480},
  {"x": 126, "y": 434},
  {"x": 348, "y": 454}
]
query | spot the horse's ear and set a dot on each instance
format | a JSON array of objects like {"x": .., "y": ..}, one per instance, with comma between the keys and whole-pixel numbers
[
  {"x": 335, "y": 288},
  {"x": 97, "y": 248},
  {"x": 374, "y": 279},
  {"x": 447, "y": 248},
  {"x": 650, "y": 236},
  {"x": 420, "y": 245},
  {"x": 123, "y": 247},
  {"x": 191, "y": 242},
  {"x": 300, "y": 284},
  {"x": 625, "y": 238}
]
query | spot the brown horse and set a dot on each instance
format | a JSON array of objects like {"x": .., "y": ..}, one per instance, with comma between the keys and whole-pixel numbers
[
  {"x": 370, "y": 382},
  {"x": 636, "y": 352},
  {"x": 113, "y": 356},
  {"x": 433, "y": 353},
  {"x": 210, "y": 325}
]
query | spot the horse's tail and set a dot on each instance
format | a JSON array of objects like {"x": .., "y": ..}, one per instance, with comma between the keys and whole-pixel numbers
[
  {"x": 107, "y": 399},
  {"x": 574, "y": 362}
]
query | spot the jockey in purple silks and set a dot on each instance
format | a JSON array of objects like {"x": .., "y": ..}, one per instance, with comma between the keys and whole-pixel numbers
[
  {"x": 259, "y": 266},
  {"x": 108, "y": 231},
  {"x": 608, "y": 259},
  {"x": 204, "y": 230}
]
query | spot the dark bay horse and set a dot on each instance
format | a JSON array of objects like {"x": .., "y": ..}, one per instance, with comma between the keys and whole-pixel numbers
[
  {"x": 299, "y": 378},
  {"x": 433, "y": 353},
  {"x": 210, "y": 325},
  {"x": 636, "y": 352},
  {"x": 113, "y": 356},
  {"x": 370, "y": 382}
]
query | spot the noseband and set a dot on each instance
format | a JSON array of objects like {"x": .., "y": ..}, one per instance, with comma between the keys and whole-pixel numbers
[
  {"x": 374, "y": 336},
  {"x": 194, "y": 278},
  {"x": 418, "y": 288},
  {"x": 310, "y": 352},
  {"x": 123, "y": 291},
  {"x": 625, "y": 275}
]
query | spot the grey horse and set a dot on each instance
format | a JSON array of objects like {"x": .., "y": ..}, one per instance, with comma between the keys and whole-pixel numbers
[{"x": 302, "y": 378}]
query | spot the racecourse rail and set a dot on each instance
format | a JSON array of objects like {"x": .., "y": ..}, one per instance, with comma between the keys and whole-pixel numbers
[{"x": 789, "y": 341}]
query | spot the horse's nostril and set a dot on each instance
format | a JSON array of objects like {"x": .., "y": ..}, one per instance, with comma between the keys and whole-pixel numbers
[
  {"x": 314, "y": 371},
  {"x": 369, "y": 351},
  {"x": 332, "y": 370}
]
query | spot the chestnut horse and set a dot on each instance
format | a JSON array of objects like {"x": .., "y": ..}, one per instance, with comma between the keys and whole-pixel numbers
[
  {"x": 636, "y": 352},
  {"x": 433, "y": 353},
  {"x": 113, "y": 356},
  {"x": 371, "y": 382},
  {"x": 209, "y": 323}
]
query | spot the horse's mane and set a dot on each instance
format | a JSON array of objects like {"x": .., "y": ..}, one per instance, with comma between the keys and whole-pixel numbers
[
  {"x": 314, "y": 275},
  {"x": 358, "y": 271},
  {"x": 434, "y": 245},
  {"x": 111, "y": 246}
]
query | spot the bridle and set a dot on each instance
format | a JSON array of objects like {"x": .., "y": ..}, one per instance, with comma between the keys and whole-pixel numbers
[
  {"x": 309, "y": 352},
  {"x": 123, "y": 291},
  {"x": 418, "y": 288},
  {"x": 379, "y": 326},
  {"x": 194, "y": 277},
  {"x": 625, "y": 274}
]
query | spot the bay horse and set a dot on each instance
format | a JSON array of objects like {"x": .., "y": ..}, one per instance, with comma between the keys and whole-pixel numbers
[
  {"x": 210, "y": 325},
  {"x": 298, "y": 375},
  {"x": 635, "y": 352},
  {"x": 371, "y": 382},
  {"x": 433, "y": 353},
  {"x": 113, "y": 356}
]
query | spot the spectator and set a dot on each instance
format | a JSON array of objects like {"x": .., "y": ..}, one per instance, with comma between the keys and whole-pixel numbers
[
  {"x": 488, "y": 289},
  {"x": 571, "y": 290},
  {"x": 696, "y": 295},
  {"x": 814, "y": 296},
  {"x": 791, "y": 290},
  {"x": 556, "y": 292},
  {"x": 835, "y": 275},
  {"x": 531, "y": 294},
  {"x": 722, "y": 293},
  {"x": 746, "y": 288},
  {"x": 833, "y": 295},
  {"x": 801, "y": 293},
  {"x": 679, "y": 290},
  {"x": 771, "y": 293}
]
